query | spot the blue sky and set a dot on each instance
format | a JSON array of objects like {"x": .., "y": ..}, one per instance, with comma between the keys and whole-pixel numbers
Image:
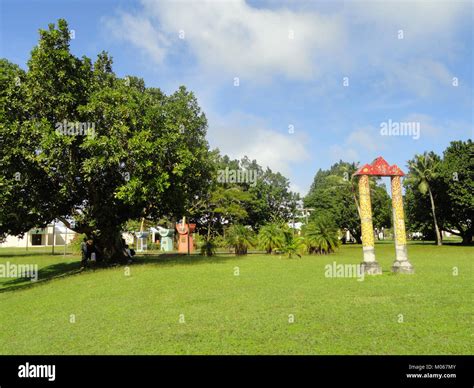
[{"x": 408, "y": 62}]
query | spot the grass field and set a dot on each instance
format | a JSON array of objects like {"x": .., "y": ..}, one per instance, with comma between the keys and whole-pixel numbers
[{"x": 143, "y": 313}]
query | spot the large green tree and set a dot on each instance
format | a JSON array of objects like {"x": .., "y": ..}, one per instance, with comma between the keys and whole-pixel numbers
[
  {"x": 449, "y": 187},
  {"x": 272, "y": 199},
  {"x": 264, "y": 197},
  {"x": 422, "y": 175},
  {"x": 334, "y": 195},
  {"x": 144, "y": 155},
  {"x": 457, "y": 188},
  {"x": 418, "y": 214}
]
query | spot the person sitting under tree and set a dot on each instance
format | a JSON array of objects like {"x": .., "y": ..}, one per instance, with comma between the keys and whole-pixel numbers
[{"x": 83, "y": 253}]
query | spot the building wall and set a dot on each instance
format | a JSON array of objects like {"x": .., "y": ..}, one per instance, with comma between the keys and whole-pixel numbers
[{"x": 46, "y": 239}]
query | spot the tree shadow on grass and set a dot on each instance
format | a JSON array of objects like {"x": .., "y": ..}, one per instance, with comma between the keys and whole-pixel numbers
[
  {"x": 181, "y": 259},
  {"x": 445, "y": 243},
  {"x": 11, "y": 254},
  {"x": 45, "y": 274},
  {"x": 66, "y": 269}
]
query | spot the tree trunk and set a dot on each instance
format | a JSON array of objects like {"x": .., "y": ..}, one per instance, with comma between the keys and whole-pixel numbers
[
  {"x": 433, "y": 211},
  {"x": 465, "y": 234},
  {"x": 358, "y": 237},
  {"x": 110, "y": 247},
  {"x": 467, "y": 238},
  {"x": 210, "y": 223}
]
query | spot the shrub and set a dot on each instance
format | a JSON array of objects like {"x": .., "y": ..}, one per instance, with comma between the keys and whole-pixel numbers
[
  {"x": 75, "y": 243},
  {"x": 208, "y": 247},
  {"x": 154, "y": 246},
  {"x": 271, "y": 237},
  {"x": 293, "y": 245},
  {"x": 220, "y": 241},
  {"x": 321, "y": 236},
  {"x": 240, "y": 238}
]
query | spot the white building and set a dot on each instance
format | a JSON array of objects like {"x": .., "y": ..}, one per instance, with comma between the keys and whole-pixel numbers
[{"x": 56, "y": 234}]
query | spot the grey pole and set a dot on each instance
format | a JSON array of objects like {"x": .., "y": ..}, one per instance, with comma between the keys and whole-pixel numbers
[
  {"x": 65, "y": 241},
  {"x": 54, "y": 236}
]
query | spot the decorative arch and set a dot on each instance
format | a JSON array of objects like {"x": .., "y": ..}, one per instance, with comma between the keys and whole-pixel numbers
[{"x": 380, "y": 168}]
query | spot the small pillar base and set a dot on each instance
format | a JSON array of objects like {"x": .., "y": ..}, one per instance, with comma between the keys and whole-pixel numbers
[
  {"x": 371, "y": 268},
  {"x": 402, "y": 267}
]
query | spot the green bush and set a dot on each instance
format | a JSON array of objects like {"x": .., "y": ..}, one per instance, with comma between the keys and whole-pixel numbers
[
  {"x": 293, "y": 245},
  {"x": 240, "y": 238},
  {"x": 220, "y": 241},
  {"x": 321, "y": 236},
  {"x": 154, "y": 246},
  {"x": 75, "y": 243},
  {"x": 208, "y": 247},
  {"x": 271, "y": 237}
]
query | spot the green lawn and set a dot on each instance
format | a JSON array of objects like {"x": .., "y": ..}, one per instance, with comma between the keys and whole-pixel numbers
[{"x": 245, "y": 314}]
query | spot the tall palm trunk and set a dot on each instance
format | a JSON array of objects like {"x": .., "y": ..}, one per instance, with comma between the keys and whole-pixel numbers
[{"x": 433, "y": 211}]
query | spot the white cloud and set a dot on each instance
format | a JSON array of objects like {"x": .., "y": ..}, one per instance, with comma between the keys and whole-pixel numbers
[
  {"x": 343, "y": 152},
  {"x": 239, "y": 135},
  {"x": 427, "y": 125},
  {"x": 351, "y": 38},
  {"x": 232, "y": 38},
  {"x": 417, "y": 18},
  {"x": 419, "y": 62},
  {"x": 301, "y": 190},
  {"x": 235, "y": 38},
  {"x": 421, "y": 77},
  {"x": 141, "y": 33},
  {"x": 365, "y": 139},
  {"x": 360, "y": 144}
]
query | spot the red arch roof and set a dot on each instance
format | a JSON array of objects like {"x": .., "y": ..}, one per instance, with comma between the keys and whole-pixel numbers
[{"x": 380, "y": 167}]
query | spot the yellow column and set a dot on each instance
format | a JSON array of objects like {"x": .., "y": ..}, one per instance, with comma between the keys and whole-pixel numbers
[
  {"x": 401, "y": 263},
  {"x": 369, "y": 264}
]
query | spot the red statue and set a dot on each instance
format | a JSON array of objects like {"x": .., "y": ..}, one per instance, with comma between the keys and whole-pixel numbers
[{"x": 185, "y": 238}]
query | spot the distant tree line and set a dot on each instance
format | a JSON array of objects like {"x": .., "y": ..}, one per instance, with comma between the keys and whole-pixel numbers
[{"x": 439, "y": 195}]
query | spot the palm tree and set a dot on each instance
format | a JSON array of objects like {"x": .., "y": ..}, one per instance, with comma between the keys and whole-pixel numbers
[
  {"x": 208, "y": 248},
  {"x": 271, "y": 237},
  {"x": 293, "y": 245},
  {"x": 321, "y": 236},
  {"x": 423, "y": 171},
  {"x": 240, "y": 238}
]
